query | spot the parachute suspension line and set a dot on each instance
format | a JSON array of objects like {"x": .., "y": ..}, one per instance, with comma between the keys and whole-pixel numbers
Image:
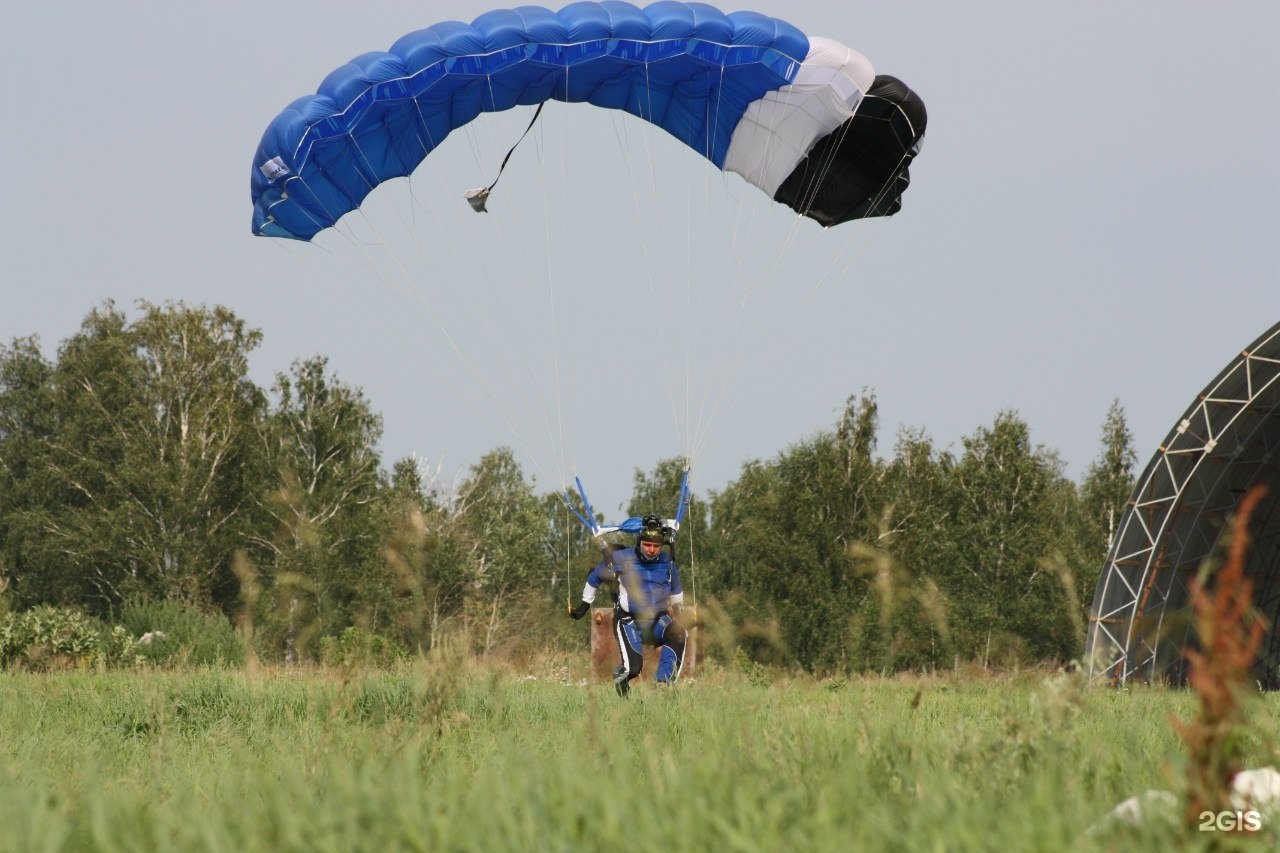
[
  {"x": 775, "y": 115},
  {"x": 715, "y": 375},
  {"x": 688, "y": 314},
  {"x": 717, "y": 378},
  {"x": 409, "y": 287},
  {"x": 511, "y": 332},
  {"x": 568, "y": 565},
  {"x": 334, "y": 218},
  {"x": 810, "y": 193},
  {"x": 646, "y": 250},
  {"x": 359, "y": 247},
  {"x": 827, "y": 280},
  {"x": 774, "y": 342},
  {"x": 412, "y": 292},
  {"x": 380, "y": 240},
  {"x": 624, "y": 146},
  {"x": 561, "y": 445},
  {"x": 792, "y": 236},
  {"x": 370, "y": 266},
  {"x": 647, "y": 113},
  {"x": 323, "y": 273},
  {"x": 470, "y": 131},
  {"x": 427, "y": 146},
  {"x": 875, "y": 205},
  {"x": 710, "y": 368},
  {"x": 528, "y": 362},
  {"x": 854, "y": 246},
  {"x": 682, "y": 506},
  {"x": 737, "y": 347},
  {"x": 479, "y": 258},
  {"x": 648, "y": 117},
  {"x": 698, "y": 434},
  {"x": 552, "y": 425},
  {"x": 824, "y": 283},
  {"x": 414, "y": 204}
]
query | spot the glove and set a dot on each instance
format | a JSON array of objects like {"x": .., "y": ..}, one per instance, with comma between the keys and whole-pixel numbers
[{"x": 579, "y": 610}]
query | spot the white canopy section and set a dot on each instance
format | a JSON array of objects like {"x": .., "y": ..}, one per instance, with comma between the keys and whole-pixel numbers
[{"x": 774, "y": 133}]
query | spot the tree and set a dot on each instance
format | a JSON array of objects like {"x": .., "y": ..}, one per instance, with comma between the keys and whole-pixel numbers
[
  {"x": 1103, "y": 496},
  {"x": 26, "y": 423},
  {"x": 506, "y": 528},
  {"x": 147, "y": 459},
  {"x": 1004, "y": 601},
  {"x": 917, "y": 500},
  {"x": 320, "y": 445},
  {"x": 741, "y": 543},
  {"x": 782, "y": 537},
  {"x": 425, "y": 548},
  {"x": 199, "y": 413},
  {"x": 905, "y": 623},
  {"x": 1109, "y": 482}
]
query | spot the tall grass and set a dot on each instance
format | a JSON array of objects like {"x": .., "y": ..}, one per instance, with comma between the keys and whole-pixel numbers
[
  {"x": 446, "y": 755},
  {"x": 1229, "y": 631}
]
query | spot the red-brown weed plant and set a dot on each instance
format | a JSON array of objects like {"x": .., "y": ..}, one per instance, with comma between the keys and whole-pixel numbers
[{"x": 1230, "y": 631}]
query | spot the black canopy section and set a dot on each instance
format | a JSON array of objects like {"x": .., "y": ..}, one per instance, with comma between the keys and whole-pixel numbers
[{"x": 860, "y": 168}]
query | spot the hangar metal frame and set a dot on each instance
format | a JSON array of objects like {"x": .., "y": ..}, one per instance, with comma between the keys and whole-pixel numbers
[{"x": 1227, "y": 440}]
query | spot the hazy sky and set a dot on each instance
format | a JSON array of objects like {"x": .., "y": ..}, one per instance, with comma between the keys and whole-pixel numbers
[{"x": 1095, "y": 215}]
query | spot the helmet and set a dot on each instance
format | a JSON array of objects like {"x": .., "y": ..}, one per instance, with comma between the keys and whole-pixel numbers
[{"x": 652, "y": 530}]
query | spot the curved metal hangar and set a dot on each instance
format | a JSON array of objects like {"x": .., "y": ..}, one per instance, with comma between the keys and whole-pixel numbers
[{"x": 1228, "y": 440}]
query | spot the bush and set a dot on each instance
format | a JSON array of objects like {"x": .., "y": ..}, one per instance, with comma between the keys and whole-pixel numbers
[
  {"x": 358, "y": 647},
  {"x": 48, "y": 638},
  {"x": 172, "y": 634}
]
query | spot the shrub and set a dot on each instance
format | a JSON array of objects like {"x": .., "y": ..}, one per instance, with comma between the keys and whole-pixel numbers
[
  {"x": 358, "y": 647},
  {"x": 47, "y": 638},
  {"x": 171, "y": 634}
]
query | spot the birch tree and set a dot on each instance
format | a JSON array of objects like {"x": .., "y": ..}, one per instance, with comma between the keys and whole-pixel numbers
[
  {"x": 1005, "y": 603},
  {"x": 147, "y": 459},
  {"x": 322, "y": 537}
]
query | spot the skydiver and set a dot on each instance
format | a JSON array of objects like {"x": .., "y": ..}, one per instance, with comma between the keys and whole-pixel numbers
[{"x": 649, "y": 596}]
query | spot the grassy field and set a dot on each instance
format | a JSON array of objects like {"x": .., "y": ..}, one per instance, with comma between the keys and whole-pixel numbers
[{"x": 457, "y": 756}]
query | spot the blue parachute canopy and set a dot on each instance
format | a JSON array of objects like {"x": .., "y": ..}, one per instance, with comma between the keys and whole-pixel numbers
[{"x": 733, "y": 87}]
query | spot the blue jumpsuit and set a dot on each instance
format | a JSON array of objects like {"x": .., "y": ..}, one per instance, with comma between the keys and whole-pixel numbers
[{"x": 646, "y": 592}]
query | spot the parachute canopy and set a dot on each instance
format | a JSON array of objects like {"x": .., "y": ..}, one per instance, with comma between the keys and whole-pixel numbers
[{"x": 803, "y": 118}]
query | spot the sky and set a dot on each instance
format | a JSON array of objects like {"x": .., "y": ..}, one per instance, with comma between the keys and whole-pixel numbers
[{"x": 1093, "y": 217}]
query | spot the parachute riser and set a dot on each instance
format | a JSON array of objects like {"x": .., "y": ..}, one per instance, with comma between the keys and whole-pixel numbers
[{"x": 630, "y": 525}]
